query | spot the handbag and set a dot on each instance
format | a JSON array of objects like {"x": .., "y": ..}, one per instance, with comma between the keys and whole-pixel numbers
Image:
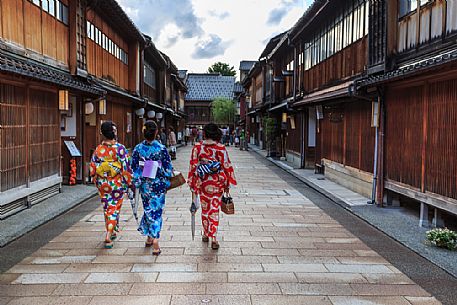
[
  {"x": 176, "y": 180},
  {"x": 227, "y": 206}
]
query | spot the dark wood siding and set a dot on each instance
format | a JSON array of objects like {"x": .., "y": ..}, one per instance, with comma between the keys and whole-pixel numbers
[
  {"x": 403, "y": 135},
  {"x": 441, "y": 161},
  {"x": 294, "y": 135},
  {"x": 346, "y": 135},
  {"x": 28, "y": 146}
]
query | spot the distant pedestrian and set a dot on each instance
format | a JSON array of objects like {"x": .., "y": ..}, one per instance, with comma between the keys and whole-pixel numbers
[
  {"x": 163, "y": 137},
  {"x": 194, "y": 135},
  {"x": 200, "y": 135},
  {"x": 112, "y": 175},
  {"x": 186, "y": 135},
  {"x": 210, "y": 176},
  {"x": 152, "y": 170},
  {"x": 172, "y": 142}
]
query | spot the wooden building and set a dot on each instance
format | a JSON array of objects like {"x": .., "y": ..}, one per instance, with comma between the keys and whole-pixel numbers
[
  {"x": 203, "y": 88},
  {"x": 65, "y": 67},
  {"x": 413, "y": 63}
]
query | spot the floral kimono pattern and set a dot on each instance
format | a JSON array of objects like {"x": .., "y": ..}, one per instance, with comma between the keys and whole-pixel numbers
[
  {"x": 211, "y": 186},
  {"x": 112, "y": 175},
  {"x": 152, "y": 190}
]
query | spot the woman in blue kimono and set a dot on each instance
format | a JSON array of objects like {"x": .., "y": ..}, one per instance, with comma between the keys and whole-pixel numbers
[{"x": 152, "y": 170}]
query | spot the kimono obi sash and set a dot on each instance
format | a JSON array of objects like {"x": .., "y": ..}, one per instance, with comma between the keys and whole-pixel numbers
[
  {"x": 211, "y": 167},
  {"x": 109, "y": 168}
]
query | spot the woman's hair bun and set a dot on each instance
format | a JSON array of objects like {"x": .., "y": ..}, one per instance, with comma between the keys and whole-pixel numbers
[
  {"x": 149, "y": 130},
  {"x": 107, "y": 130}
]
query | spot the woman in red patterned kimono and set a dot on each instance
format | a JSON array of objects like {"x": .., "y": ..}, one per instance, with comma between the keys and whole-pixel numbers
[{"x": 210, "y": 175}]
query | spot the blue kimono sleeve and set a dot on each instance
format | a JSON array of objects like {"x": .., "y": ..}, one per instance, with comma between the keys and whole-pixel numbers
[
  {"x": 136, "y": 169},
  {"x": 166, "y": 163}
]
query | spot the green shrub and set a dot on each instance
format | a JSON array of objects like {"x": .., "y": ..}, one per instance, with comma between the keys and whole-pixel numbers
[{"x": 443, "y": 238}]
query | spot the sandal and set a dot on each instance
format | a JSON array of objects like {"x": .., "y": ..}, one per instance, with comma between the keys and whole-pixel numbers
[
  {"x": 205, "y": 239},
  {"x": 108, "y": 244},
  {"x": 214, "y": 245},
  {"x": 148, "y": 243},
  {"x": 113, "y": 236},
  {"x": 156, "y": 252}
]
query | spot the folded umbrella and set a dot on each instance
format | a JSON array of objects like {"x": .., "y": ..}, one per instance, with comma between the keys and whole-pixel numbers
[
  {"x": 193, "y": 209},
  {"x": 134, "y": 201}
]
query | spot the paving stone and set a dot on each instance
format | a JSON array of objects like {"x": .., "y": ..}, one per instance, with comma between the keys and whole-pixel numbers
[
  {"x": 92, "y": 289},
  {"x": 358, "y": 268},
  {"x": 423, "y": 301},
  {"x": 339, "y": 278},
  {"x": 112, "y": 277},
  {"x": 64, "y": 259},
  {"x": 393, "y": 290},
  {"x": 264, "y": 277},
  {"x": 38, "y": 268},
  {"x": 132, "y": 300},
  {"x": 316, "y": 289},
  {"x": 289, "y": 300},
  {"x": 99, "y": 268},
  {"x": 7, "y": 278},
  {"x": 50, "y": 301},
  {"x": 206, "y": 251},
  {"x": 245, "y": 259},
  {"x": 306, "y": 260},
  {"x": 164, "y": 267},
  {"x": 211, "y": 299},
  {"x": 356, "y": 300},
  {"x": 363, "y": 260},
  {"x": 294, "y": 268},
  {"x": 128, "y": 259},
  {"x": 168, "y": 288},
  {"x": 382, "y": 278},
  {"x": 244, "y": 288},
  {"x": 195, "y": 277},
  {"x": 27, "y": 290},
  {"x": 50, "y": 278},
  {"x": 229, "y": 267}
]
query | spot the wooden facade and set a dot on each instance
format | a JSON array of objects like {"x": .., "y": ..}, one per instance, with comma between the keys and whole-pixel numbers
[{"x": 88, "y": 50}]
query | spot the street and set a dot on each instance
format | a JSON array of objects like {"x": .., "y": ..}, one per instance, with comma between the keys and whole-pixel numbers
[{"x": 279, "y": 248}]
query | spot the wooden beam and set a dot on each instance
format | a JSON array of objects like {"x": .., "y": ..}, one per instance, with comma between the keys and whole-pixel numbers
[
  {"x": 72, "y": 33},
  {"x": 425, "y": 97}
]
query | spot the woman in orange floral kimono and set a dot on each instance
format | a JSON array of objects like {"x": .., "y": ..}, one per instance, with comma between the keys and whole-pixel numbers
[
  {"x": 112, "y": 176},
  {"x": 210, "y": 175}
]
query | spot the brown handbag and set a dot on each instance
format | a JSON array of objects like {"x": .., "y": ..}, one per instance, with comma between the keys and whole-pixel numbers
[
  {"x": 227, "y": 205},
  {"x": 176, "y": 180}
]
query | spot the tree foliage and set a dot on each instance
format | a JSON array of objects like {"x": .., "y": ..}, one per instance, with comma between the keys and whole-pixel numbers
[
  {"x": 222, "y": 68},
  {"x": 223, "y": 111}
]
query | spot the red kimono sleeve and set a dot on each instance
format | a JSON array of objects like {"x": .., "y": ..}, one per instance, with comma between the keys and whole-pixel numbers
[
  {"x": 192, "y": 179},
  {"x": 228, "y": 169}
]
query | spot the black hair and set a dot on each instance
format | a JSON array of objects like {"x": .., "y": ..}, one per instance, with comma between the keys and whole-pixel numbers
[
  {"x": 107, "y": 130},
  {"x": 149, "y": 130},
  {"x": 212, "y": 132}
]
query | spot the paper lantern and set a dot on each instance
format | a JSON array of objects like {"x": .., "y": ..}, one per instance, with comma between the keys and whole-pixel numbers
[
  {"x": 88, "y": 108},
  {"x": 140, "y": 112},
  {"x": 102, "y": 107},
  {"x": 151, "y": 114},
  {"x": 63, "y": 100},
  {"x": 159, "y": 115}
]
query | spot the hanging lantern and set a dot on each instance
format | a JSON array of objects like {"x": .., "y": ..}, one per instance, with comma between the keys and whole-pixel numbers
[
  {"x": 63, "y": 100},
  {"x": 102, "y": 107},
  {"x": 151, "y": 114},
  {"x": 88, "y": 108},
  {"x": 159, "y": 115},
  {"x": 140, "y": 112}
]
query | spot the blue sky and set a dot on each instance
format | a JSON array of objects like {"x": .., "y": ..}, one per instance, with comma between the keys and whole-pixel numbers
[{"x": 197, "y": 33}]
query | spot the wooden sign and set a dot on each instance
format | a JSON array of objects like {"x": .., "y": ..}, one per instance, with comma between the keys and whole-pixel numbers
[{"x": 74, "y": 151}]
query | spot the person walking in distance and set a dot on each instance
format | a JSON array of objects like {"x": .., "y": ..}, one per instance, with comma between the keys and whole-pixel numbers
[
  {"x": 163, "y": 137},
  {"x": 112, "y": 175},
  {"x": 210, "y": 175},
  {"x": 152, "y": 170},
  {"x": 186, "y": 135},
  {"x": 172, "y": 142}
]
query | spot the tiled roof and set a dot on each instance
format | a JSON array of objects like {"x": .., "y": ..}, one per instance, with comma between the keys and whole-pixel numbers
[
  {"x": 17, "y": 65},
  {"x": 237, "y": 88},
  {"x": 246, "y": 65},
  {"x": 412, "y": 68},
  {"x": 208, "y": 86}
]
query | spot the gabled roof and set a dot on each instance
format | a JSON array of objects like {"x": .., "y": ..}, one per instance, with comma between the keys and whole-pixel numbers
[
  {"x": 151, "y": 52},
  {"x": 271, "y": 45},
  {"x": 246, "y": 65},
  {"x": 208, "y": 86},
  {"x": 170, "y": 65},
  {"x": 313, "y": 10},
  {"x": 114, "y": 13}
]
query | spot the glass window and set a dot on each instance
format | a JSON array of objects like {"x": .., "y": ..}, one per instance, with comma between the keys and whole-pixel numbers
[
  {"x": 88, "y": 28},
  {"x": 45, "y": 5},
  {"x": 103, "y": 41},
  {"x": 65, "y": 14},
  {"x": 52, "y": 7},
  {"x": 36, "y": 2}
]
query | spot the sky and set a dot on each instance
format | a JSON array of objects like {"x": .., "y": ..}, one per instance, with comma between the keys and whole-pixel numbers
[{"x": 198, "y": 33}]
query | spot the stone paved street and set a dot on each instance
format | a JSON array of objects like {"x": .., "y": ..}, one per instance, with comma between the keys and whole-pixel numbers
[{"x": 279, "y": 248}]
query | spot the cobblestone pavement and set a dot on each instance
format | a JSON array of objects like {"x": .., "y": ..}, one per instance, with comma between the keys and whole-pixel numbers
[{"x": 279, "y": 248}]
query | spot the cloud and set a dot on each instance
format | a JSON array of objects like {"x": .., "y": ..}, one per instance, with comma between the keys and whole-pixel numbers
[
  {"x": 219, "y": 15},
  {"x": 171, "y": 41},
  {"x": 276, "y": 15},
  {"x": 209, "y": 47},
  {"x": 154, "y": 15}
]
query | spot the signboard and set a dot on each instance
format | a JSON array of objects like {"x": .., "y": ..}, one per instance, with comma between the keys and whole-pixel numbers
[{"x": 74, "y": 151}]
